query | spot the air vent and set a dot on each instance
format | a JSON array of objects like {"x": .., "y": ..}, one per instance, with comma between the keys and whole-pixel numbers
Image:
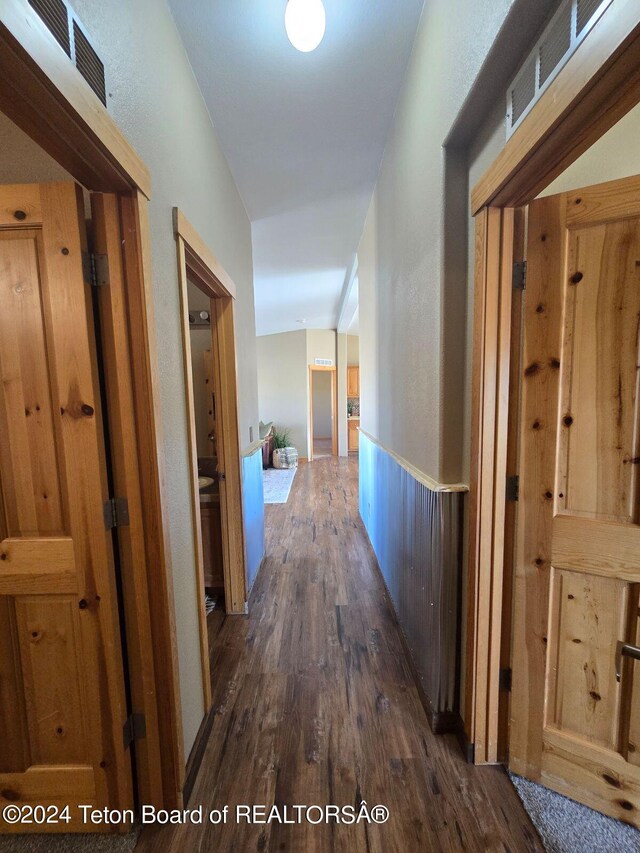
[
  {"x": 571, "y": 23},
  {"x": 586, "y": 9},
  {"x": 89, "y": 64},
  {"x": 524, "y": 89},
  {"x": 55, "y": 15},
  {"x": 555, "y": 44},
  {"x": 72, "y": 37}
]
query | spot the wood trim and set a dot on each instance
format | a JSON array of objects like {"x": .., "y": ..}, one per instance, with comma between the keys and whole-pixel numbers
[
  {"x": 513, "y": 448},
  {"x": 225, "y": 383},
  {"x": 46, "y": 96},
  {"x": 197, "y": 753},
  {"x": 194, "y": 491},
  {"x": 210, "y": 276},
  {"x": 418, "y": 475},
  {"x": 334, "y": 407},
  {"x": 136, "y": 253},
  {"x": 598, "y": 85},
  {"x": 253, "y": 448},
  {"x": 492, "y": 348},
  {"x": 201, "y": 260},
  {"x": 116, "y": 355}
]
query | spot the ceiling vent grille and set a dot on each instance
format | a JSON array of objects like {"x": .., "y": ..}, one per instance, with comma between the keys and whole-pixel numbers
[
  {"x": 569, "y": 26},
  {"x": 68, "y": 31},
  {"x": 54, "y": 14},
  {"x": 89, "y": 63}
]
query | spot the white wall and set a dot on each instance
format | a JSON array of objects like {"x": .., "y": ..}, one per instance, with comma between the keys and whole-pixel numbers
[
  {"x": 353, "y": 350},
  {"x": 321, "y": 394},
  {"x": 153, "y": 97},
  {"x": 283, "y": 384},
  {"x": 615, "y": 155},
  {"x": 341, "y": 356},
  {"x": 400, "y": 258}
]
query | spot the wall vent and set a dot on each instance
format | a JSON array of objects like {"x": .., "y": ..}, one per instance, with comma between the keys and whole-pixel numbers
[
  {"x": 565, "y": 31},
  {"x": 68, "y": 31},
  {"x": 89, "y": 63},
  {"x": 55, "y": 15}
]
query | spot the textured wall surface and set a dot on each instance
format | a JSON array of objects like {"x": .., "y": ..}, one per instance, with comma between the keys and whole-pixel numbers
[
  {"x": 322, "y": 427},
  {"x": 400, "y": 259},
  {"x": 283, "y": 384},
  {"x": 353, "y": 349},
  {"x": 153, "y": 97}
]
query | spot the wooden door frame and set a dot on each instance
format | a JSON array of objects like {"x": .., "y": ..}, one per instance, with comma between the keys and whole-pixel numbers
[
  {"x": 195, "y": 257},
  {"x": 43, "y": 93},
  {"x": 334, "y": 407},
  {"x": 595, "y": 89}
]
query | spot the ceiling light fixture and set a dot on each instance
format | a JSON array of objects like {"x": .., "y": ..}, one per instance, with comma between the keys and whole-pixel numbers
[{"x": 305, "y": 22}]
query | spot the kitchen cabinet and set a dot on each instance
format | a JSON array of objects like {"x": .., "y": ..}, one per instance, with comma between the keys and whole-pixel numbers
[
  {"x": 353, "y": 381},
  {"x": 352, "y": 434}
]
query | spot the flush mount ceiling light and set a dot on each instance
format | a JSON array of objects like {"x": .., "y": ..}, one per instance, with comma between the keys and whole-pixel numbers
[{"x": 305, "y": 22}]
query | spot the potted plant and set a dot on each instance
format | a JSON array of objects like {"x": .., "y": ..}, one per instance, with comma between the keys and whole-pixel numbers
[{"x": 284, "y": 455}]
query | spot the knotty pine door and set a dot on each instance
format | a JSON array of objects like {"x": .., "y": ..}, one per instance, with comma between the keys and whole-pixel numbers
[
  {"x": 574, "y": 726},
  {"x": 62, "y": 699}
]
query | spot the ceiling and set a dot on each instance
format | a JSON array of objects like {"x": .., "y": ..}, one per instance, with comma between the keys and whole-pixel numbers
[{"x": 303, "y": 133}]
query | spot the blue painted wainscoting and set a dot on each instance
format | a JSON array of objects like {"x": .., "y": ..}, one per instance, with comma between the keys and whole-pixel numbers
[
  {"x": 415, "y": 532},
  {"x": 253, "y": 505}
]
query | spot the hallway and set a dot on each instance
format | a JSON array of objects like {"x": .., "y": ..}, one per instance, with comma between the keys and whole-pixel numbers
[{"x": 315, "y": 704}]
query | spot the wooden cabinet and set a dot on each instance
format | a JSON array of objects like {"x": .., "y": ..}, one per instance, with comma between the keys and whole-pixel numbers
[
  {"x": 352, "y": 434},
  {"x": 212, "y": 544},
  {"x": 353, "y": 381}
]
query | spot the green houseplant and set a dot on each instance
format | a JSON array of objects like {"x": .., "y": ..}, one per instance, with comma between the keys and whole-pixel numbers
[
  {"x": 281, "y": 438},
  {"x": 284, "y": 455}
]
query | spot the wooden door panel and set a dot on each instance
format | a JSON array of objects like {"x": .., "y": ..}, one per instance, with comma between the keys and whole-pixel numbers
[
  {"x": 62, "y": 702},
  {"x": 599, "y": 441},
  {"x": 598, "y": 547},
  {"x": 14, "y": 755},
  {"x": 583, "y": 694},
  {"x": 48, "y": 636},
  {"x": 27, "y": 439},
  {"x": 574, "y": 726}
]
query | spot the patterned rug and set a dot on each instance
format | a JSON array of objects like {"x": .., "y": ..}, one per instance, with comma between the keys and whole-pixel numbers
[{"x": 277, "y": 484}]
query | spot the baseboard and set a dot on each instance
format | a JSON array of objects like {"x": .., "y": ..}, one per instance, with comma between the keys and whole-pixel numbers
[{"x": 196, "y": 755}]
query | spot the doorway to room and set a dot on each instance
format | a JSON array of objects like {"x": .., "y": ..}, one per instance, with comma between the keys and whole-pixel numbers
[{"x": 323, "y": 434}]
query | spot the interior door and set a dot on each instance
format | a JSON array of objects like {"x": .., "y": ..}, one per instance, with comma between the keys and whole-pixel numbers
[
  {"x": 575, "y": 706},
  {"x": 62, "y": 700}
]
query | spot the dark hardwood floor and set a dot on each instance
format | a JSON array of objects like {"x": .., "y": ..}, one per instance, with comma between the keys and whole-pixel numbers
[{"x": 315, "y": 704}]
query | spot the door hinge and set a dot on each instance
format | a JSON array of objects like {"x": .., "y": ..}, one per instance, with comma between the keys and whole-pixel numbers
[
  {"x": 513, "y": 487},
  {"x": 134, "y": 728},
  {"x": 505, "y": 679},
  {"x": 116, "y": 513},
  {"x": 95, "y": 268},
  {"x": 519, "y": 277}
]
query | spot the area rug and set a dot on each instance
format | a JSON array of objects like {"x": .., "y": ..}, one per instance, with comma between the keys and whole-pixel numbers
[
  {"x": 277, "y": 484},
  {"x": 567, "y": 827}
]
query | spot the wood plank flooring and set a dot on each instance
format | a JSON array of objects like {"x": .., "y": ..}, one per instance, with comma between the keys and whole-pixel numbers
[{"x": 315, "y": 704}]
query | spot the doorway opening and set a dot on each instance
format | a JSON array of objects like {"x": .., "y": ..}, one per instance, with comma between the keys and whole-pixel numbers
[
  {"x": 207, "y": 295},
  {"x": 537, "y": 403},
  {"x": 323, "y": 428}
]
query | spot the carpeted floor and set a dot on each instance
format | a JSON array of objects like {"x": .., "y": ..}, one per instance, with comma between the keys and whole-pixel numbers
[
  {"x": 568, "y": 827},
  {"x": 68, "y": 843},
  {"x": 277, "y": 484}
]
